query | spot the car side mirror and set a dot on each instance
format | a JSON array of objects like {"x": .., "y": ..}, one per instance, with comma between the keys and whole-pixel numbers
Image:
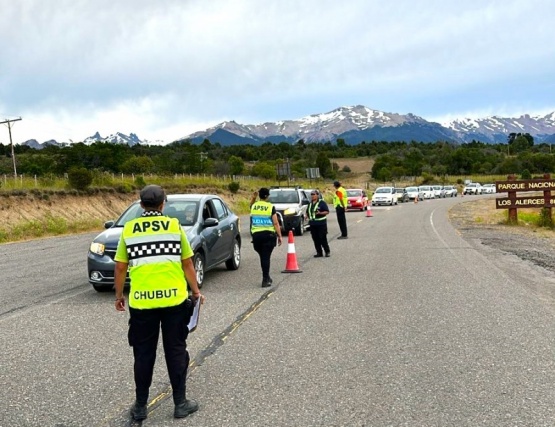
[
  {"x": 305, "y": 202},
  {"x": 109, "y": 224},
  {"x": 210, "y": 222}
]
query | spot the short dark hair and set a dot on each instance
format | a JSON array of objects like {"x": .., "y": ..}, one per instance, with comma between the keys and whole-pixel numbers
[{"x": 263, "y": 193}]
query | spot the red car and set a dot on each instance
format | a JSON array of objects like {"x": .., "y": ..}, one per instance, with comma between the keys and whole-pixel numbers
[{"x": 357, "y": 199}]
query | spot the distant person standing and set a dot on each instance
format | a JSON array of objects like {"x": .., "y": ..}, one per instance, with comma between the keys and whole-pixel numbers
[
  {"x": 317, "y": 212},
  {"x": 264, "y": 230},
  {"x": 340, "y": 205}
]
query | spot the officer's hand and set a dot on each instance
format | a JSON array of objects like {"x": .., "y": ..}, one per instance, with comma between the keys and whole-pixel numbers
[
  {"x": 279, "y": 240},
  {"x": 120, "y": 304},
  {"x": 198, "y": 296}
]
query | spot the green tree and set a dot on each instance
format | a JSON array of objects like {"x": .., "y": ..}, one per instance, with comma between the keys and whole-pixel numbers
[{"x": 236, "y": 165}]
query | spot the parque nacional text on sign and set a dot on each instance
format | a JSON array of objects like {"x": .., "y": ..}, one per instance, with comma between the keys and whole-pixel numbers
[
  {"x": 524, "y": 202},
  {"x": 528, "y": 185}
]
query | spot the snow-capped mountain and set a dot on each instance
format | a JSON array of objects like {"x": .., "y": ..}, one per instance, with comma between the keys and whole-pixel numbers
[
  {"x": 115, "y": 138},
  {"x": 496, "y": 129},
  {"x": 354, "y": 124}
]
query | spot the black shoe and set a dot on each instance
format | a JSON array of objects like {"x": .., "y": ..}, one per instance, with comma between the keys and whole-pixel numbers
[
  {"x": 342, "y": 237},
  {"x": 138, "y": 412},
  {"x": 185, "y": 408},
  {"x": 266, "y": 283},
  {"x": 327, "y": 254},
  {"x": 318, "y": 256}
]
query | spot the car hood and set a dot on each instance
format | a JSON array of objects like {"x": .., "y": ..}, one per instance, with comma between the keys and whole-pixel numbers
[
  {"x": 110, "y": 237},
  {"x": 283, "y": 206}
]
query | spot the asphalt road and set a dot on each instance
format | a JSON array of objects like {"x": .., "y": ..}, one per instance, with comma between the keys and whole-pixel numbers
[{"x": 406, "y": 324}]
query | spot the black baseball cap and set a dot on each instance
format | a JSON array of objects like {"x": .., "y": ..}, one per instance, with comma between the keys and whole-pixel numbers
[
  {"x": 153, "y": 195},
  {"x": 336, "y": 184}
]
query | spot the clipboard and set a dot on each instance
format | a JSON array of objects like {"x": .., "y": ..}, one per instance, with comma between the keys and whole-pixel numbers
[{"x": 193, "y": 321}]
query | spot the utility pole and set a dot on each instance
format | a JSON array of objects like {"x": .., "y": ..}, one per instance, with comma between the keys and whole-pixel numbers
[{"x": 9, "y": 123}]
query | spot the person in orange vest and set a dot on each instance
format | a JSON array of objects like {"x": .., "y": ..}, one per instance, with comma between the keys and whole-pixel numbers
[
  {"x": 340, "y": 205},
  {"x": 264, "y": 230},
  {"x": 158, "y": 255}
]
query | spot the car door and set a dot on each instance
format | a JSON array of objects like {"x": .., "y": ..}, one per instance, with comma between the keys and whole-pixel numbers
[
  {"x": 210, "y": 235},
  {"x": 225, "y": 231}
]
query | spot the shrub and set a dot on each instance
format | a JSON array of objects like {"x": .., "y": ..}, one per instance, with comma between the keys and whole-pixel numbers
[
  {"x": 124, "y": 188},
  {"x": 140, "y": 181},
  {"x": 526, "y": 174},
  {"x": 79, "y": 178},
  {"x": 233, "y": 187},
  {"x": 545, "y": 219}
]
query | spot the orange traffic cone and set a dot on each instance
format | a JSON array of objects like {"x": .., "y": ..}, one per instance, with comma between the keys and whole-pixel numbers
[
  {"x": 291, "y": 266},
  {"x": 368, "y": 211}
]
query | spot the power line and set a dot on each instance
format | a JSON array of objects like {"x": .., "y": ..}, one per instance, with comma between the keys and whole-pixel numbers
[{"x": 9, "y": 122}]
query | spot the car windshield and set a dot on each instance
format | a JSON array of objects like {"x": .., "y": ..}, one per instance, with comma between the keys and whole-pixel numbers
[
  {"x": 383, "y": 190},
  {"x": 411, "y": 189},
  {"x": 283, "y": 196},
  {"x": 425, "y": 188},
  {"x": 448, "y": 187},
  {"x": 354, "y": 193},
  {"x": 400, "y": 190},
  {"x": 184, "y": 210}
]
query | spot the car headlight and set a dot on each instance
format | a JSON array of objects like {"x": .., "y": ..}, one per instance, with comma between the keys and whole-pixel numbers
[
  {"x": 97, "y": 248},
  {"x": 291, "y": 211}
]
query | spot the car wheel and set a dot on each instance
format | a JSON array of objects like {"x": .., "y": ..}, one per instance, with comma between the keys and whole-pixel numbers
[
  {"x": 198, "y": 263},
  {"x": 233, "y": 262},
  {"x": 102, "y": 288},
  {"x": 299, "y": 230}
]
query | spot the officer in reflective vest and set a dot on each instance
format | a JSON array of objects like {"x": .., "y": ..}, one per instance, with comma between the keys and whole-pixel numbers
[
  {"x": 316, "y": 212},
  {"x": 340, "y": 205},
  {"x": 155, "y": 249},
  {"x": 264, "y": 229}
]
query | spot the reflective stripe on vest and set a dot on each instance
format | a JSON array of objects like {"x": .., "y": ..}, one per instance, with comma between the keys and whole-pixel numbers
[
  {"x": 154, "y": 250},
  {"x": 261, "y": 217},
  {"x": 312, "y": 212}
]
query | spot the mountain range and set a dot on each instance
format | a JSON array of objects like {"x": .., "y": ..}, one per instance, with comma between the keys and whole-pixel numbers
[{"x": 355, "y": 124}]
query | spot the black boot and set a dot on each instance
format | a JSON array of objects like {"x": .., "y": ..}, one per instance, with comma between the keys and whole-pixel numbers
[
  {"x": 185, "y": 408},
  {"x": 138, "y": 412}
]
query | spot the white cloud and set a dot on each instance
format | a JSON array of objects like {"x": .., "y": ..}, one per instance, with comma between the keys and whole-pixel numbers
[{"x": 167, "y": 68}]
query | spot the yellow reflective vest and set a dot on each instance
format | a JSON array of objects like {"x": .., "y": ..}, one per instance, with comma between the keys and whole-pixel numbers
[
  {"x": 339, "y": 202},
  {"x": 261, "y": 217},
  {"x": 154, "y": 246}
]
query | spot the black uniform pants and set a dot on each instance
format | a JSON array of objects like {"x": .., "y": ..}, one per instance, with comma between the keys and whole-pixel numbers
[
  {"x": 144, "y": 330},
  {"x": 319, "y": 231},
  {"x": 264, "y": 243},
  {"x": 341, "y": 220}
]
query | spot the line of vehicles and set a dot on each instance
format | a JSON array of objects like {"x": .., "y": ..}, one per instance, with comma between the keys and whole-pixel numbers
[{"x": 213, "y": 229}]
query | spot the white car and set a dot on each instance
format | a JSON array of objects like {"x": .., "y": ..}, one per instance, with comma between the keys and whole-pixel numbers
[
  {"x": 451, "y": 191},
  {"x": 439, "y": 191},
  {"x": 473, "y": 188},
  {"x": 428, "y": 191},
  {"x": 415, "y": 192},
  {"x": 488, "y": 189},
  {"x": 384, "y": 196}
]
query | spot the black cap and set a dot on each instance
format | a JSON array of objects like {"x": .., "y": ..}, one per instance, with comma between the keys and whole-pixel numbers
[
  {"x": 152, "y": 196},
  {"x": 263, "y": 193},
  {"x": 336, "y": 184}
]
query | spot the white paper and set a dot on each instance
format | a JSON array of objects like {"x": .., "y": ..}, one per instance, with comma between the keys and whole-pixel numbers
[{"x": 193, "y": 322}]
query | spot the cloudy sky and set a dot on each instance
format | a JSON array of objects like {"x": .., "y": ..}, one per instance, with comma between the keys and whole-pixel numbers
[{"x": 166, "y": 68}]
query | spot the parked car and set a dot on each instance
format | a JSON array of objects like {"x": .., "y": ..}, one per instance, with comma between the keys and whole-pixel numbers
[
  {"x": 428, "y": 191},
  {"x": 439, "y": 192},
  {"x": 472, "y": 188},
  {"x": 451, "y": 191},
  {"x": 414, "y": 192},
  {"x": 402, "y": 195},
  {"x": 212, "y": 229},
  {"x": 384, "y": 196},
  {"x": 488, "y": 189},
  {"x": 357, "y": 199},
  {"x": 290, "y": 204}
]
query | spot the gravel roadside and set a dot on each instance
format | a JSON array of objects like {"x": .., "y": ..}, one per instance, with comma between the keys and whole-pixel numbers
[{"x": 478, "y": 223}]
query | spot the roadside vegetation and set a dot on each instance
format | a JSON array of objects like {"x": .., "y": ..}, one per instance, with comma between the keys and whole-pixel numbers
[{"x": 234, "y": 172}]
